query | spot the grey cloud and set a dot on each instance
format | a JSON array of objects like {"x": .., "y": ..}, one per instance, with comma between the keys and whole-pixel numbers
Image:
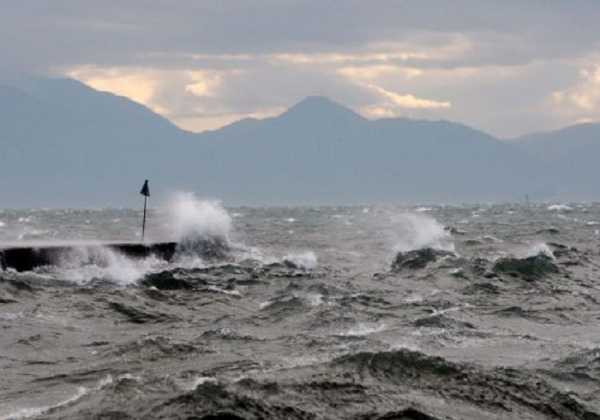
[
  {"x": 267, "y": 85},
  {"x": 46, "y": 34}
]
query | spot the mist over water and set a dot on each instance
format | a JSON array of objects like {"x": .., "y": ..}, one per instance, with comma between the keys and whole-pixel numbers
[{"x": 290, "y": 312}]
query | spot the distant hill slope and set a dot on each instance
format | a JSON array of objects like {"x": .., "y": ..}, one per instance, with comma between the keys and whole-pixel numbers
[
  {"x": 319, "y": 151},
  {"x": 65, "y": 144},
  {"x": 561, "y": 144},
  {"x": 572, "y": 155}
]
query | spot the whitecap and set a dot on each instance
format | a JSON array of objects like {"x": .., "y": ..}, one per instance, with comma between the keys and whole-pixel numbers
[
  {"x": 363, "y": 329},
  {"x": 404, "y": 345},
  {"x": 10, "y": 316},
  {"x": 129, "y": 377},
  {"x": 306, "y": 260},
  {"x": 265, "y": 304},
  {"x": 491, "y": 238},
  {"x": 224, "y": 291},
  {"x": 559, "y": 207},
  {"x": 416, "y": 298},
  {"x": 300, "y": 361},
  {"x": 197, "y": 381},
  {"x": 314, "y": 299},
  {"x": 28, "y": 412}
]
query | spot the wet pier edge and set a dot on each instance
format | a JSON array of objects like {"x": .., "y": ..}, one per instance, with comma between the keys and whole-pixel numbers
[{"x": 27, "y": 258}]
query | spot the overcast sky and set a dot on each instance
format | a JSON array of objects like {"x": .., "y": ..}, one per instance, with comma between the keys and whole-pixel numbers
[{"x": 507, "y": 67}]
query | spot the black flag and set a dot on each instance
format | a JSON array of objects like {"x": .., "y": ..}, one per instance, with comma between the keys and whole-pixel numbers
[
  {"x": 146, "y": 193},
  {"x": 145, "y": 189}
]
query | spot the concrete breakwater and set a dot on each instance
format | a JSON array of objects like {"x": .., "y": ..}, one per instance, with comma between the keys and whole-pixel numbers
[{"x": 26, "y": 258}]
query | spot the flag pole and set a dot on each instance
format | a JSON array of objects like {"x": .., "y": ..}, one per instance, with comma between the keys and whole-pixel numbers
[{"x": 144, "y": 221}]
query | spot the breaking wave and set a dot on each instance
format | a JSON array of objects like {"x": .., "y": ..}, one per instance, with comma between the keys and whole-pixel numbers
[
  {"x": 202, "y": 231},
  {"x": 416, "y": 231},
  {"x": 306, "y": 260},
  {"x": 538, "y": 248},
  {"x": 191, "y": 218},
  {"x": 559, "y": 207},
  {"x": 84, "y": 264}
]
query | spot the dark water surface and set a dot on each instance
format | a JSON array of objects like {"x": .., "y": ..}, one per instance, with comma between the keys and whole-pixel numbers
[{"x": 308, "y": 315}]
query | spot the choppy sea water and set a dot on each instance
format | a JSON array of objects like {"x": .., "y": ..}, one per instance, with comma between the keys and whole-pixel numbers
[{"x": 438, "y": 312}]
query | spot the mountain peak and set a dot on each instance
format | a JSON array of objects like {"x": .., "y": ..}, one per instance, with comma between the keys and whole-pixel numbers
[
  {"x": 319, "y": 108},
  {"x": 317, "y": 100}
]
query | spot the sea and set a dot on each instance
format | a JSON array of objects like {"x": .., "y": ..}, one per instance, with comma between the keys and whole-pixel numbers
[{"x": 487, "y": 311}]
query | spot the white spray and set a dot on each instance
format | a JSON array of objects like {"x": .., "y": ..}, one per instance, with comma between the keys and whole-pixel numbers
[
  {"x": 535, "y": 249},
  {"x": 306, "y": 260},
  {"x": 83, "y": 264},
  {"x": 190, "y": 217},
  {"x": 415, "y": 231},
  {"x": 189, "y": 220}
]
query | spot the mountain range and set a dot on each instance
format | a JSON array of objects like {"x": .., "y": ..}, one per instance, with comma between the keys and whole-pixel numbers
[{"x": 63, "y": 144}]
